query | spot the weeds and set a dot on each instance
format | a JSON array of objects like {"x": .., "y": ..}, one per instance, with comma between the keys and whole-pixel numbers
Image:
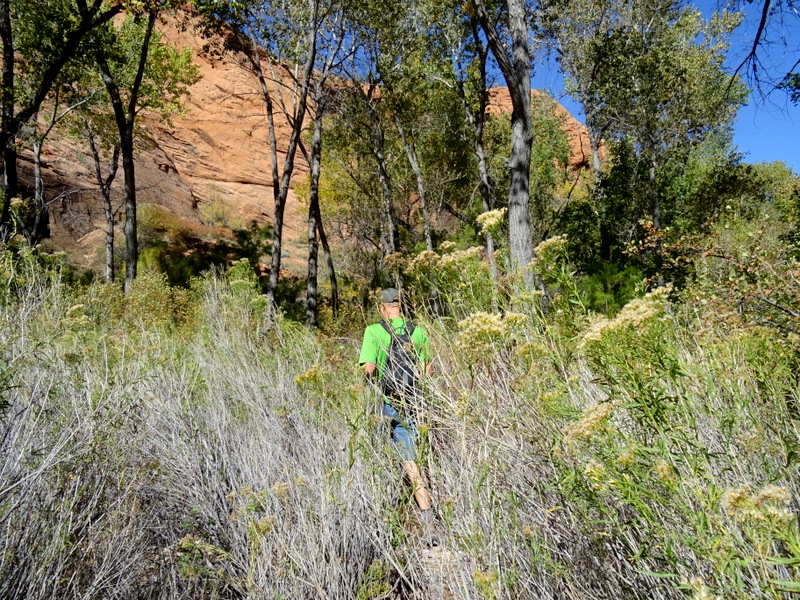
[{"x": 178, "y": 443}]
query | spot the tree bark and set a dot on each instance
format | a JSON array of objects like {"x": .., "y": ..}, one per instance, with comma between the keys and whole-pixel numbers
[
  {"x": 389, "y": 239},
  {"x": 477, "y": 120},
  {"x": 39, "y": 226},
  {"x": 104, "y": 183},
  {"x": 323, "y": 238},
  {"x": 7, "y": 120},
  {"x": 281, "y": 183},
  {"x": 517, "y": 73},
  {"x": 659, "y": 246}
]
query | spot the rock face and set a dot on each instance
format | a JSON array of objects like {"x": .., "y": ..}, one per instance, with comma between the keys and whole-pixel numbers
[
  {"x": 214, "y": 157},
  {"x": 580, "y": 149}
]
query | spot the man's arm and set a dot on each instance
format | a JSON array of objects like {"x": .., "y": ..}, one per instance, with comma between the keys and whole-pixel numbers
[{"x": 370, "y": 370}]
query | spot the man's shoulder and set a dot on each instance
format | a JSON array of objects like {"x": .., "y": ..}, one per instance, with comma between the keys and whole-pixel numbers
[{"x": 376, "y": 329}]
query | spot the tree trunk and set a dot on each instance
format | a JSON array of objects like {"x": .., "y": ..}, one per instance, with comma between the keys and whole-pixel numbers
[
  {"x": 412, "y": 160},
  {"x": 329, "y": 262},
  {"x": 477, "y": 121},
  {"x": 7, "y": 120},
  {"x": 38, "y": 228},
  {"x": 281, "y": 187},
  {"x": 313, "y": 223},
  {"x": 389, "y": 239},
  {"x": 517, "y": 73},
  {"x": 104, "y": 183},
  {"x": 659, "y": 246}
]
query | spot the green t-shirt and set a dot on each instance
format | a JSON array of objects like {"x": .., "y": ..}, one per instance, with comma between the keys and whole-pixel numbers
[{"x": 377, "y": 340}]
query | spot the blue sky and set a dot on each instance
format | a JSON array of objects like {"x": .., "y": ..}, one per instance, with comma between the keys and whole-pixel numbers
[{"x": 768, "y": 128}]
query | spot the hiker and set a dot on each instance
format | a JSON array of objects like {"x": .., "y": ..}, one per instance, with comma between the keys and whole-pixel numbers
[{"x": 392, "y": 353}]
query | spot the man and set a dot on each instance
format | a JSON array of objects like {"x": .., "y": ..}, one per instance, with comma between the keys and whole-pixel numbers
[{"x": 398, "y": 401}]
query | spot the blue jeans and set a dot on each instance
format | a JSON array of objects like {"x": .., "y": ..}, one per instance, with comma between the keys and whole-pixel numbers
[{"x": 404, "y": 432}]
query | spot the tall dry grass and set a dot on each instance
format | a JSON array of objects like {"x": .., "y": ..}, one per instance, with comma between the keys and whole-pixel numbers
[{"x": 196, "y": 445}]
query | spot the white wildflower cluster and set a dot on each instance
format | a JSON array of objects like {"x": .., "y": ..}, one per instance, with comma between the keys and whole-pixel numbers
[
  {"x": 447, "y": 246},
  {"x": 592, "y": 418},
  {"x": 76, "y": 317},
  {"x": 513, "y": 319},
  {"x": 548, "y": 254},
  {"x": 480, "y": 329},
  {"x": 665, "y": 471},
  {"x": 551, "y": 246},
  {"x": 635, "y": 314},
  {"x": 460, "y": 256},
  {"x": 394, "y": 262},
  {"x": 424, "y": 260},
  {"x": 770, "y": 506},
  {"x": 490, "y": 221},
  {"x": 428, "y": 259}
]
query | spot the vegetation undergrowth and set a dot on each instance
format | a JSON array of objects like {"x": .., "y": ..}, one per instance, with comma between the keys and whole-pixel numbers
[{"x": 193, "y": 442}]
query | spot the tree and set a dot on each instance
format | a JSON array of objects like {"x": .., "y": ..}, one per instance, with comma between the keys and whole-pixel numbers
[
  {"x": 279, "y": 34},
  {"x": 576, "y": 28},
  {"x": 139, "y": 73},
  {"x": 96, "y": 132},
  {"x": 516, "y": 70},
  {"x": 468, "y": 56},
  {"x": 330, "y": 49},
  {"x": 39, "y": 38},
  {"x": 34, "y": 222},
  {"x": 650, "y": 74}
]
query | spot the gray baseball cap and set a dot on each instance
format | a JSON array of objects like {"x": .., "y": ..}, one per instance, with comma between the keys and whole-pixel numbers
[{"x": 389, "y": 296}]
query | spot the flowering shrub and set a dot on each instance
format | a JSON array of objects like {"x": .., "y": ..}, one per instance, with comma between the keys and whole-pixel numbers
[{"x": 492, "y": 221}]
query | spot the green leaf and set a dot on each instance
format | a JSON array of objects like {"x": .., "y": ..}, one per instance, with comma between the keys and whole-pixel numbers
[{"x": 786, "y": 586}]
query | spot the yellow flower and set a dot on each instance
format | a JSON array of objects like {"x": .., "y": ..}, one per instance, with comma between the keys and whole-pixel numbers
[
  {"x": 480, "y": 329},
  {"x": 423, "y": 260},
  {"x": 635, "y": 313},
  {"x": 551, "y": 246},
  {"x": 773, "y": 493},
  {"x": 281, "y": 490},
  {"x": 393, "y": 262},
  {"x": 665, "y": 471},
  {"x": 491, "y": 219},
  {"x": 736, "y": 499},
  {"x": 460, "y": 256},
  {"x": 591, "y": 419}
]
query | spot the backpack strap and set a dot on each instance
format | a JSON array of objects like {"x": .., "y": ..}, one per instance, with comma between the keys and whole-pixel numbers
[{"x": 408, "y": 327}]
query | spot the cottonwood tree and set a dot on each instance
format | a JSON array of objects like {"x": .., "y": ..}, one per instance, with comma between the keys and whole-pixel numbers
[
  {"x": 330, "y": 50},
  {"x": 280, "y": 40},
  {"x": 576, "y": 28},
  {"x": 507, "y": 35},
  {"x": 662, "y": 89},
  {"x": 139, "y": 73},
  {"x": 39, "y": 37},
  {"x": 34, "y": 220}
]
